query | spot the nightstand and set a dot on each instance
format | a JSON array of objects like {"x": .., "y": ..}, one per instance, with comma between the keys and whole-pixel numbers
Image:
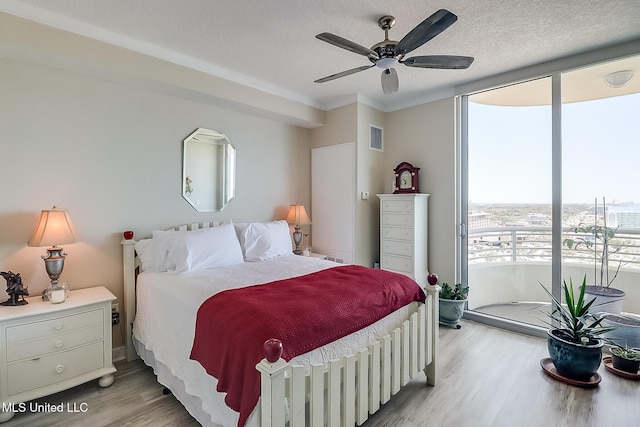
[
  {"x": 46, "y": 348},
  {"x": 315, "y": 255}
]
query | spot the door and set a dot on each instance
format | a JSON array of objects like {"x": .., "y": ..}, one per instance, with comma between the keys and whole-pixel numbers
[{"x": 333, "y": 191}]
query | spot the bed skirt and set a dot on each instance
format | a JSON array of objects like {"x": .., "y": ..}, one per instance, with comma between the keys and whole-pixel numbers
[{"x": 192, "y": 404}]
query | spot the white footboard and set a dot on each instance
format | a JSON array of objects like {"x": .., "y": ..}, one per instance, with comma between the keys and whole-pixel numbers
[{"x": 355, "y": 386}]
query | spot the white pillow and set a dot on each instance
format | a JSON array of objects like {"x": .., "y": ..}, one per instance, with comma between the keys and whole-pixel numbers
[
  {"x": 164, "y": 243},
  {"x": 145, "y": 251},
  {"x": 153, "y": 253},
  {"x": 265, "y": 240},
  {"x": 206, "y": 248},
  {"x": 241, "y": 227}
]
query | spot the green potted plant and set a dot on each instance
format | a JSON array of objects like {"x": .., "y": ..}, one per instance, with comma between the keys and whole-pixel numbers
[
  {"x": 574, "y": 337},
  {"x": 626, "y": 359},
  {"x": 597, "y": 239},
  {"x": 452, "y": 303}
]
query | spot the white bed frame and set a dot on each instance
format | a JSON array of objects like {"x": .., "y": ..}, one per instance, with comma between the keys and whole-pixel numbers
[{"x": 370, "y": 377}]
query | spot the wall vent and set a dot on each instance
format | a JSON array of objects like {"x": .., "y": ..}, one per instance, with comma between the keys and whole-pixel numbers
[{"x": 376, "y": 141}]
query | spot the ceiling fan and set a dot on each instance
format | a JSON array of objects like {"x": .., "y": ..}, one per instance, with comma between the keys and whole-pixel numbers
[{"x": 388, "y": 53}]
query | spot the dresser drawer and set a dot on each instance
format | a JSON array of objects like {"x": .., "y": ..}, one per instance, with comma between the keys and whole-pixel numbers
[
  {"x": 57, "y": 342},
  {"x": 402, "y": 220},
  {"x": 397, "y": 206},
  {"x": 35, "y": 373},
  {"x": 54, "y": 327},
  {"x": 397, "y": 233},
  {"x": 396, "y": 263},
  {"x": 396, "y": 247}
]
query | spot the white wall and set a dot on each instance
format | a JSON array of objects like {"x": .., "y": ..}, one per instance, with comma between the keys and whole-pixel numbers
[
  {"x": 425, "y": 137},
  {"x": 371, "y": 178},
  {"x": 112, "y": 155}
]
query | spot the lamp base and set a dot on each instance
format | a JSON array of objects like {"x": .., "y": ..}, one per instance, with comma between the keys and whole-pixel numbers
[{"x": 297, "y": 238}]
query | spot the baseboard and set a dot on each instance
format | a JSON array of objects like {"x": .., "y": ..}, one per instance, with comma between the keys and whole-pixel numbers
[{"x": 118, "y": 354}]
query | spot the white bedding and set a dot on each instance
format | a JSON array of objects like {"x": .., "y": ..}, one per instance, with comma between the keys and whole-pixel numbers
[{"x": 167, "y": 304}]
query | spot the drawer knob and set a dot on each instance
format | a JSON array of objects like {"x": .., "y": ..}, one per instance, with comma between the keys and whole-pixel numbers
[
  {"x": 58, "y": 326},
  {"x": 59, "y": 344},
  {"x": 59, "y": 369}
]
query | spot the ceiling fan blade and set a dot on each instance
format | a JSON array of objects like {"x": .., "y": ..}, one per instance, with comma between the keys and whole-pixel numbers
[
  {"x": 444, "y": 62},
  {"x": 389, "y": 81},
  {"x": 344, "y": 73},
  {"x": 425, "y": 31},
  {"x": 346, "y": 44}
]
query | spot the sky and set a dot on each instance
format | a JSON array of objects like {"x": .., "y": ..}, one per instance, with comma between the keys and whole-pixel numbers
[{"x": 510, "y": 152}]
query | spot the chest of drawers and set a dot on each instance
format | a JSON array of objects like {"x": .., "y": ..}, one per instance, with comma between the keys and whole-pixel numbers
[
  {"x": 403, "y": 234},
  {"x": 46, "y": 348}
]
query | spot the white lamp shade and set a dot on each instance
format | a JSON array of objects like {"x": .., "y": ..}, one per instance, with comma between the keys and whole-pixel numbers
[
  {"x": 55, "y": 227},
  {"x": 298, "y": 215}
]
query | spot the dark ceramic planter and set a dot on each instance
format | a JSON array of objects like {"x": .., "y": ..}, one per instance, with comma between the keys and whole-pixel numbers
[
  {"x": 574, "y": 361},
  {"x": 626, "y": 365}
]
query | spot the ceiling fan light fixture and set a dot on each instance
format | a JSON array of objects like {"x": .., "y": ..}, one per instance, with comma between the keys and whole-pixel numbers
[
  {"x": 618, "y": 79},
  {"x": 389, "y": 80},
  {"x": 386, "y": 63},
  {"x": 388, "y": 53}
]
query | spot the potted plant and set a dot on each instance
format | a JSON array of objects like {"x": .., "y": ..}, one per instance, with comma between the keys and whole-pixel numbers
[
  {"x": 573, "y": 340},
  {"x": 597, "y": 240},
  {"x": 626, "y": 359},
  {"x": 452, "y": 303}
]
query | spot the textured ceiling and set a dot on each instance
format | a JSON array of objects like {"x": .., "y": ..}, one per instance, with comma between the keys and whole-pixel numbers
[{"x": 271, "y": 45}]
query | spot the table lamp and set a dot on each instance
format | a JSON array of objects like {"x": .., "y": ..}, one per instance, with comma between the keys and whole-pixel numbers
[
  {"x": 297, "y": 216},
  {"x": 54, "y": 228}
]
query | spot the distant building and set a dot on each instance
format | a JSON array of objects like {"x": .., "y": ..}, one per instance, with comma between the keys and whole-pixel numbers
[
  {"x": 479, "y": 220},
  {"x": 624, "y": 219},
  {"x": 623, "y": 215}
]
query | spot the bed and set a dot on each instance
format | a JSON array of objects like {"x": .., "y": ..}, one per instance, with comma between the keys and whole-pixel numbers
[{"x": 338, "y": 383}]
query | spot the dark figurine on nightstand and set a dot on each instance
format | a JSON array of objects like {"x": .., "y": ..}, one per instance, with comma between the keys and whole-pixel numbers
[{"x": 15, "y": 290}]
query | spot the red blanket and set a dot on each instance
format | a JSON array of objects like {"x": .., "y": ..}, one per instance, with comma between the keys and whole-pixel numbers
[{"x": 304, "y": 312}]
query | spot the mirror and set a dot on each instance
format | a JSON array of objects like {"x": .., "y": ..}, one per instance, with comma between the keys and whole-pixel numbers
[{"x": 208, "y": 170}]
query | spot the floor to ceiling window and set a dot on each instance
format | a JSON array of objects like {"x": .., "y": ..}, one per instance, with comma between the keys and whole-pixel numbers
[
  {"x": 600, "y": 175},
  {"x": 509, "y": 179},
  {"x": 509, "y": 199}
]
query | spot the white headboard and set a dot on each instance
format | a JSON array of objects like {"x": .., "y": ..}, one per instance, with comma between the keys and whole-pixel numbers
[{"x": 130, "y": 265}]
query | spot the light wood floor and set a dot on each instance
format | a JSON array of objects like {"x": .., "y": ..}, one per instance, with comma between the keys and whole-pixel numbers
[{"x": 488, "y": 377}]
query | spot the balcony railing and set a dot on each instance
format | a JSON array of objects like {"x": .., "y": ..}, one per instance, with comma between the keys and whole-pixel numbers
[
  {"x": 506, "y": 264},
  {"x": 531, "y": 244}
]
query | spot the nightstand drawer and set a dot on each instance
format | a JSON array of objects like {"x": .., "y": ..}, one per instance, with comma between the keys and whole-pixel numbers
[
  {"x": 396, "y": 263},
  {"x": 57, "y": 342},
  {"x": 53, "y": 327},
  {"x": 32, "y": 374},
  {"x": 403, "y": 220},
  {"x": 396, "y": 247},
  {"x": 397, "y": 206},
  {"x": 397, "y": 233}
]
